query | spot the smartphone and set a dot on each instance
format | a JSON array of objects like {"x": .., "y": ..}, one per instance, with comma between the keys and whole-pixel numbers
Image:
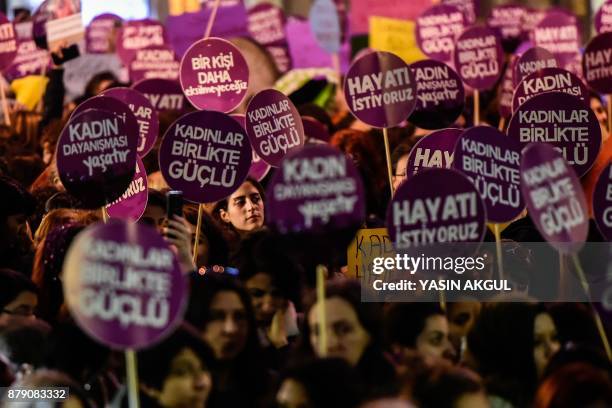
[
  {"x": 174, "y": 204},
  {"x": 68, "y": 53}
]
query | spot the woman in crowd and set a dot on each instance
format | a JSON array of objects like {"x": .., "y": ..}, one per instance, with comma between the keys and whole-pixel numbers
[
  {"x": 353, "y": 334},
  {"x": 18, "y": 297},
  {"x": 220, "y": 309}
]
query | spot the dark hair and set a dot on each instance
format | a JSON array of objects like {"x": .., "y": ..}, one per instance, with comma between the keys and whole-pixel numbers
[
  {"x": 156, "y": 198},
  {"x": 154, "y": 362},
  {"x": 405, "y": 321},
  {"x": 400, "y": 151},
  {"x": 258, "y": 253},
  {"x": 13, "y": 283},
  {"x": 575, "y": 385},
  {"x": 223, "y": 205},
  {"x": 23, "y": 341},
  {"x": 319, "y": 114},
  {"x": 26, "y": 168},
  {"x": 442, "y": 385},
  {"x": 328, "y": 382},
  {"x": 249, "y": 371},
  {"x": 15, "y": 199},
  {"x": 502, "y": 341},
  {"x": 218, "y": 249}
]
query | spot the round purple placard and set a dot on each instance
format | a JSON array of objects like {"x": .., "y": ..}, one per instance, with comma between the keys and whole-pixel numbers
[
  {"x": 440, "y": 95},
  {"x": 154, "y": 62},
  {"x": 165, "y": 95},
  {"x": 434, "y": 150},
  {"x": 491, "y": 160},
  {"x": 420, "y": 215},
  {"x": 562, "y": 120},
  {"x": 274, "y": 126},
  {"x": 8, "y": 42},
  {"x": 214, "y": 75},
  {"x": 132, "y": 203},
  {"x": 146, "y": 116},
  {"x": 325, "y": 25},
  {"x": 123, "y": 285},
  {"x": 479, "y": 57},
  {"x": 316, "y": 189},
  {"x": 558, "y": 33},
  {"x": 259, "y": 168},
  {"x": 379, "y": 89},
  {"x": 603, "y": 18},
  {"x": 266, "y": 24},
  {"x": 313, "y": 129},
  {"x": 30, "y": 60},
  {"x": 136, "y": 35},
  {"x": 98, "y": 35},
  {"x": 96, "y": 157},
  {"x": 436, "y": 30},
  {"x": 206, "y": 155},
  {"x": 530, "y": 61},
  {"x": 507, "y": 20},
  {"x": 505, "y": 91},
  {"x": 547, "y": 80},
  {"x": 554, "y": 197},
  {"x": 602, "y": 202},
  {"x": 597, "y": 63}
]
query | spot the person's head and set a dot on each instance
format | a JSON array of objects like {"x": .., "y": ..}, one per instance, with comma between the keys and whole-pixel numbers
[
  {"x": 461, "y": 317},
  {"x": 18, "y": 297},
  {"x": 176, "y": 372},
  {"x": 320, "y": 383},
  {"x": 575, "y": 385},
  {"x": 54, "y": 219},
  {"x": 418, "y": 326},
  {"x": 597, "y": 106},
  {"x": 244, "y": 209},
  {"x": 212, "y": 246},
  {"x": 16, "y": 204},
  {"x": 399, "y": 163},
  {"x": 351, "y": 326},
  {"x": 270, "y": 277},
  {"x": 220, "y": 309},
  {"x": 446, "y": 386},
  {"x": 99, "y": 82},
  {"x": 155, "y": 213},
  {"x": 502, "y": 347},
  {"x": 22, "y": 342}
]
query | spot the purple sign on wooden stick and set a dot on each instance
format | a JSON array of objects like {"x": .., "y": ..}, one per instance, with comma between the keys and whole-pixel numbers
[
  {"x": 259, "y": 168},
  {"x": 558, "y": 33},
  {"x": 98, "y": 35},
  {"x": 554, "y": 197},
  {"x": 491, "y": 160},
  {"x": 165, "y": 95},
  {"x": 379, "y": 89},
  {"x": 137, "y": 35},
  {"x": 602, "y": 202},
  {"x": 420, "y": 215},
  {"x": 547, "y": 80},
  {"x": 206, "y": 155},
  {"x": 214, "y": 75},
  {"x": 274, "y": 126},
  {"x": 507, "y": 20},
  {"x": 479, "y": 57},
  {"x": 436, "y": 30},
  {"x": 157, "y": 62},
  {"x": 96, "y": 156},
  {"x": 8, "y": 42},
  {"x": 266, "y": 24},
  {"x": 434, "y": 150},
  {"x": 123, "y": 285},
  {"x": 316, "y": 189},
  {"x": 146, "y": 116},
  {"x": 133, "y": 202},
  {"x": 440, "y": 95},
  {"x": 597, "y": 63},
  {"x": 563, "y": 121},
  {"x": 30, "y": 60},
  {"x": 530, "y": 61},
  {"x": 603, "y": 18}
]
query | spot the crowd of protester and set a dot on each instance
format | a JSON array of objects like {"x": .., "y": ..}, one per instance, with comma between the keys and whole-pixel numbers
[{"x": 250, "y": 331}]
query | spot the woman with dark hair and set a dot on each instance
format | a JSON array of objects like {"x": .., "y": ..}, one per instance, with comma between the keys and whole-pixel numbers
[
  {"x": 220, "y": 309},
  {"x": 18, "y": 297},
  {"x": 353, "y": 334},
  {"x": 320, "y": 383},
  {"x": 421, "y": 326},
  {"x": 510, "y": 346},
  {"x": 212, "y": 247},
  {"x": 176, "y": 373},
  {"x": 243, "y": 211},
  {"x": 47, "y": 270}
]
